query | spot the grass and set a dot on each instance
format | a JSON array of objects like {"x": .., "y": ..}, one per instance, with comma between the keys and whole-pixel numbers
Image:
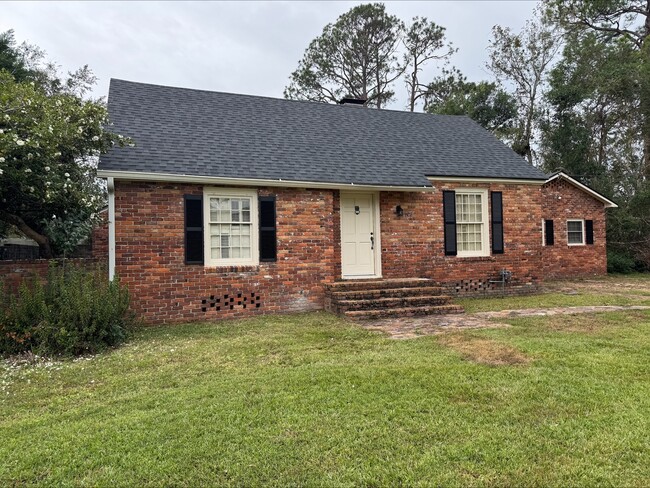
[
  {"x": 314, "y": 400},
  {"x": 547, "y": 300}
]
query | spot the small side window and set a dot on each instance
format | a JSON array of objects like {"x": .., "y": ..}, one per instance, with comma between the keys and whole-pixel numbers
[{"x": 575, "y": 232}]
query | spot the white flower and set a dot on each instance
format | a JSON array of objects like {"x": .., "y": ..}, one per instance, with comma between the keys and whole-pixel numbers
[
  {"x": 2, "y": 131},
  {"x": 30, "y": 156},
  {"x": 31, "y": 189},
  {"x": 2, "y": 160},
  {"x": 48, "y": 183},
  {"x": 53, "y": 216},
  {"x": 1, "y": 171},
  {"x": 58, "y": 103},
  {"x": 95, "y": 138},
  {"x": 28, "y": 170},
  {"x": 57, "y": 154},
  {"x": 66, "y": 175},
  {"x": 20, "y": 142},
  {"x": 47, "y": 168},
  {"x": 80, "y": 130}
]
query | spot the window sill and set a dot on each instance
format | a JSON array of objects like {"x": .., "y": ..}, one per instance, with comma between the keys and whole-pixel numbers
[
  {"x": 241, "y": 268},
  {"x": 475, "y": 258}
]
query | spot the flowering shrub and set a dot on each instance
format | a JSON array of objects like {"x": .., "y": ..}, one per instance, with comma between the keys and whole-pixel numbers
[
  {"x": 76, "y": 311},
  {"x": 49, "y": 145}
]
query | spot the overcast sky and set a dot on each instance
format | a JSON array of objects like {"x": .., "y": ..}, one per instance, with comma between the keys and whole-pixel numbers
[{"x": 239, "y": 47}]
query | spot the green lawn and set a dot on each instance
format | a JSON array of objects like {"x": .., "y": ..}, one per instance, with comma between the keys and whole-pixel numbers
[
  {"x": 549, "y": 300},
  {"x": 313, "y": 400}
]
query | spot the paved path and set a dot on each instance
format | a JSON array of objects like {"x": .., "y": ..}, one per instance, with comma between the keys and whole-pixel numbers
[{"x": 410, "y": 327}]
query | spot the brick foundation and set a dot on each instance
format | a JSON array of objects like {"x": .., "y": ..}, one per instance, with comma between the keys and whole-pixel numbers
[{"x": 563, "y": 201}]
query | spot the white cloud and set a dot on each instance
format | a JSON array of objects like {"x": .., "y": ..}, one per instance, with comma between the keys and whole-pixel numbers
[{"x": 239, "y": 47}]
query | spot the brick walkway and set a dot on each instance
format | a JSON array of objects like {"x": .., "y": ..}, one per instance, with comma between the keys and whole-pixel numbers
[{"x": 411, "y": 327}]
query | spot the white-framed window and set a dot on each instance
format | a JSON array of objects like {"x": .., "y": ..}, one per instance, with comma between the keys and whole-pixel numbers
[
  {"x": 575, "y": 232},
  {"x": 231, "y": 236},
  {"x": 472, "y": 236}
]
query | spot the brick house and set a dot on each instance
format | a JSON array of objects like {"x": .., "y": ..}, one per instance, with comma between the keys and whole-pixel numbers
[{"x": 230, "y": 205}]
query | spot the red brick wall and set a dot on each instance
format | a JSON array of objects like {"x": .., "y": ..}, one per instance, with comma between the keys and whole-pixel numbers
[
  {"x": 99, "y": 239},
  {"x": 413, "y": 245},
  {"x": 150, "y": 256},
  {"x": 563, "y": 201},
  {"x": 13, "y": 273}
]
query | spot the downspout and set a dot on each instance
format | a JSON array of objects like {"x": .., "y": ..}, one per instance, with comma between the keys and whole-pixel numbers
[{"x": 111, "y": 229}]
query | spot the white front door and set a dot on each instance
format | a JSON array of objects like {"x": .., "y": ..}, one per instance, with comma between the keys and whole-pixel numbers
[{"x": 359, "y": 239}]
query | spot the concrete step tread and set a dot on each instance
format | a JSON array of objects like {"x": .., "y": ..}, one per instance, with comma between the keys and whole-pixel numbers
[
  {"x": 387, "y": 292},
  {"x": 377, "y": 284},
  {"x": 404, "y": 312},
  {"x": 394, "y": 300}
]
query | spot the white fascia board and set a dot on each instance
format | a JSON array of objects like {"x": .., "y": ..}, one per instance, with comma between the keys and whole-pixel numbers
[
  {"x": 474, "y": 179},
  {"x": 214, "y": 180},
  {"x": 606, "y": 201}
]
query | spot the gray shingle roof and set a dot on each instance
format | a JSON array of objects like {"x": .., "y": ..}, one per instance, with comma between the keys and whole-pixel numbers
[{"x": 202, "y": 133}]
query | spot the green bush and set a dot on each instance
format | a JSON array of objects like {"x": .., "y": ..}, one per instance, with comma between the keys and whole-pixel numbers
[
  {"x": 76, "y": 311},
  {"x": 620, "y": 262}
]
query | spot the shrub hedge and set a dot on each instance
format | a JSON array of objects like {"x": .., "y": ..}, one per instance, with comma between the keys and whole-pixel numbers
[{"x": 75, "y": 311}]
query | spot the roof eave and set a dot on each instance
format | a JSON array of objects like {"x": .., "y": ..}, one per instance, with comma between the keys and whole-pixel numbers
[
  {"x": 562, "y": 175},
  {"x": 488, "y": 179}
]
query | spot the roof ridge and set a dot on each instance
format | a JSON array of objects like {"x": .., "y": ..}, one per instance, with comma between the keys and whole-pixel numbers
[{"x": 266, "y": 97}]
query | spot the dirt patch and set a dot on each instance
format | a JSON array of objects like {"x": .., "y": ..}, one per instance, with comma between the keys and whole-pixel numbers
[
  {"x": 412, "y": 327},
  {"x": 484, "y": 351},
  {"x": 591, "y": 323}
]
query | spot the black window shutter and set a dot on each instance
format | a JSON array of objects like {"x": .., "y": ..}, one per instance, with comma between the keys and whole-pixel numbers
[
  {"x": 268, "y": 235},
  {"x": 193, "y": 229},
  {"x": 589, "y": 231},
  {"x": 497, "y": 222},
  {"x": 549, "y": 238},
  {"x": 449, "y": 211}
]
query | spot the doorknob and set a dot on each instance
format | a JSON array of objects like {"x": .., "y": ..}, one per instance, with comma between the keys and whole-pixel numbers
[{"x": 372, "y": 241}]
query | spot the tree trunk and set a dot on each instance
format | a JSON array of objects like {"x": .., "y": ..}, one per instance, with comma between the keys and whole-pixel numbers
[
  {"x": 645, "y": 92},
  {"x": 42, "y": 241}
]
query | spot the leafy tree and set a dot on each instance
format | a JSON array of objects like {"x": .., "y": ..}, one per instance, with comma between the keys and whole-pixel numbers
[
  {"x": 424, "y": 41},
  {"x": 610, "y": 20},
  {"x": 523, "y": 60},
  {"x": 354, "y": 57},
  {"x": 50, "y": 137},
  {"x": 485, "y": 102}
]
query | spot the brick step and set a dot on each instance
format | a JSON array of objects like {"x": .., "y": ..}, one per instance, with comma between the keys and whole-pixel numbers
[
  {"x": 378, "y": 284},
  {"x": 374, "y": 294},
  {"x": 393, "y": 302},
  {"x": 403, "y": 312}
]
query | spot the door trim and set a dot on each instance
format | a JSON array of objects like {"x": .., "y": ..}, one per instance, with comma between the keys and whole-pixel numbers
[{"x": 376, "y": 222}]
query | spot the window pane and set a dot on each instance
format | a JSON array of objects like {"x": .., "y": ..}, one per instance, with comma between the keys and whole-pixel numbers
[
  {"x": 574, "y": 226},
  {"x": 231, "y": 234},
  {"x": 214, "y": 209},
  {"x": 574, "y": 232}
]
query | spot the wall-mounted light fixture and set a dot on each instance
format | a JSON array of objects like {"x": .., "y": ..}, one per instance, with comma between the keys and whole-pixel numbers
[
  {"x": 399, "y": 211},
  {"x": 357, "y": 210}
]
